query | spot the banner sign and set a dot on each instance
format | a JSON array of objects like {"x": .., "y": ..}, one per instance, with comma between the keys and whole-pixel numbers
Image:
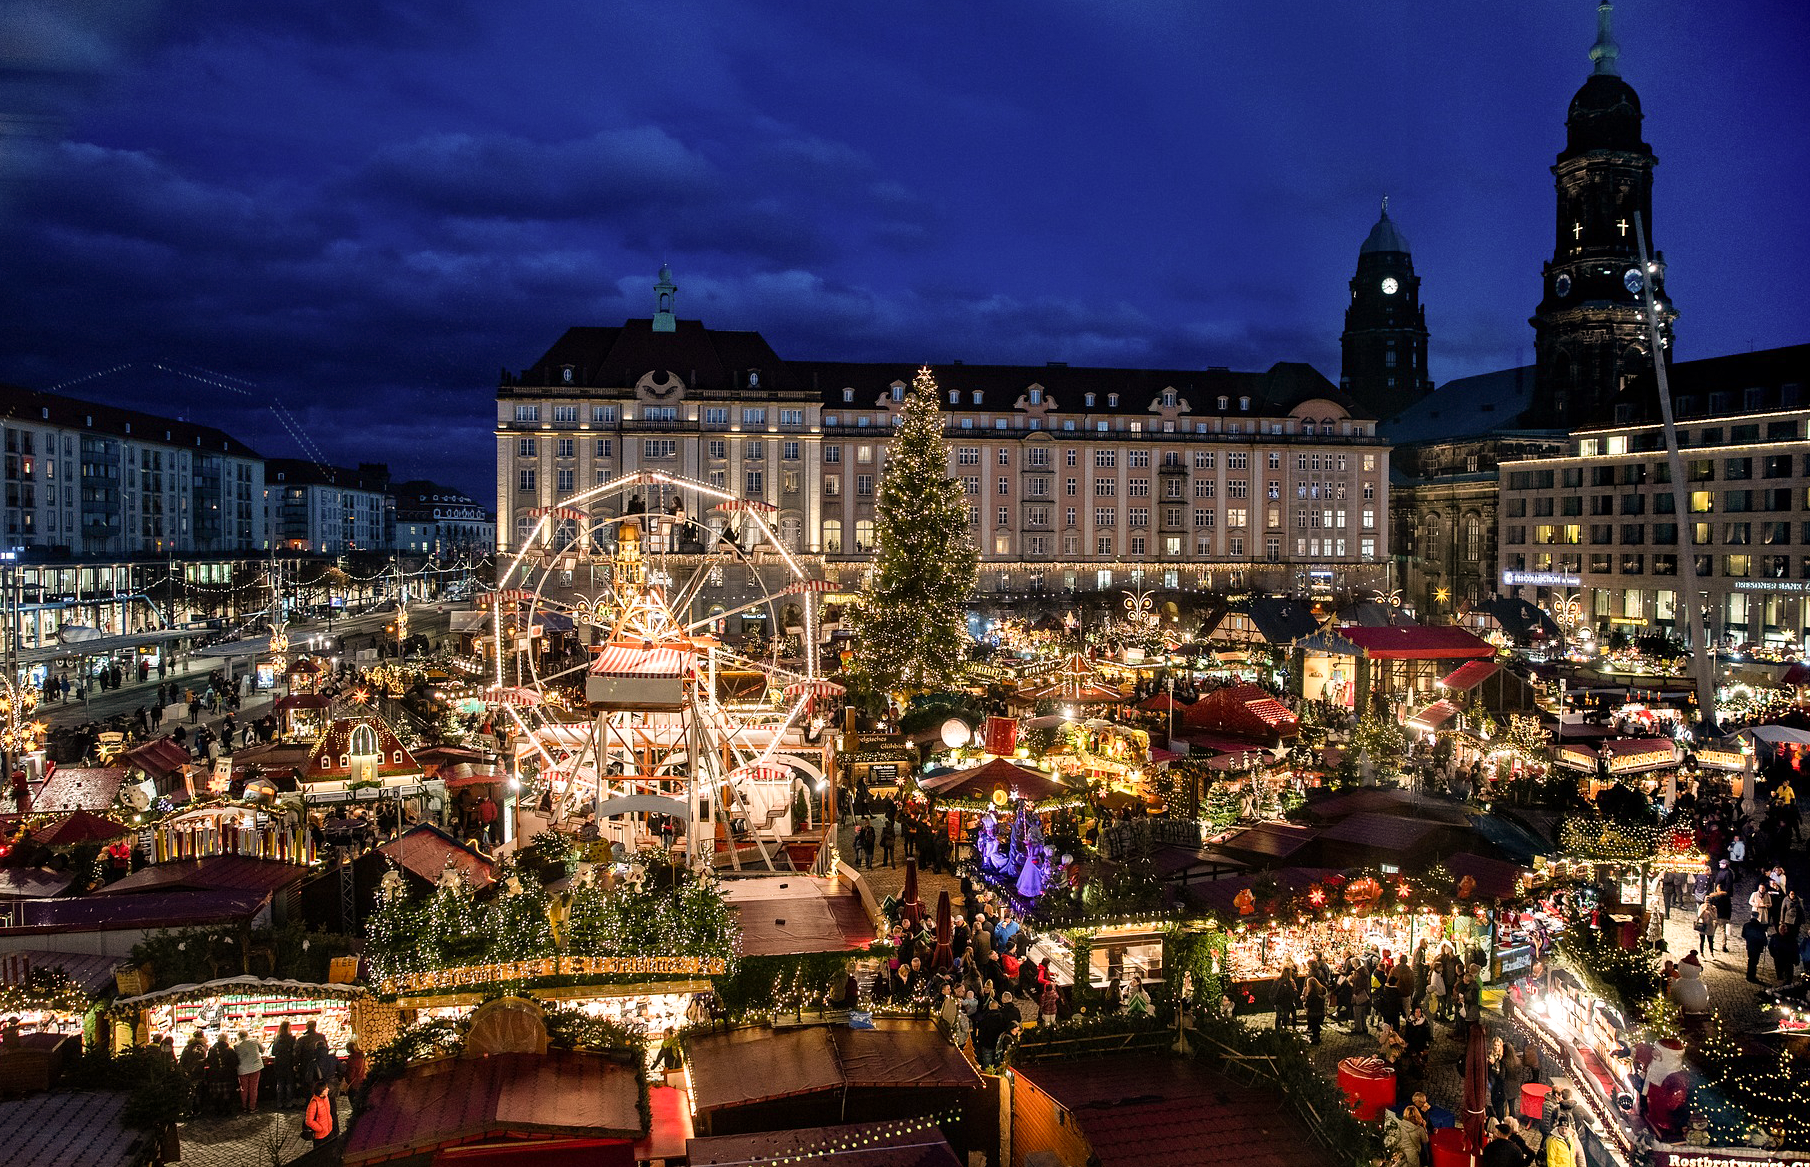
[{"x": 557, "y": 966}]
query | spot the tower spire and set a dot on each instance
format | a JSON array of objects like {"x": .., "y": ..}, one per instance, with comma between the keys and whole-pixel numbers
[
  {"x": 1605, "y": 52},
  {"x": 665, "y": 293}
]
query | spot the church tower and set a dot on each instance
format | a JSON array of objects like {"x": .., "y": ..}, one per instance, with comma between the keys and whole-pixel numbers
[
  {"x": 1383, "y": 351},
  {"x": 1590, "y": 331}
]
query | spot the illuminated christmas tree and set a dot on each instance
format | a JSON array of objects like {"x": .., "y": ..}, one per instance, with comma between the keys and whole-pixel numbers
[{"x": 910, "y": 624}]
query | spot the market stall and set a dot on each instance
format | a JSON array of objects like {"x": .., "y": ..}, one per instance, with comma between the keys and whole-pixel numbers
[
  {"x": 244, "y": 1002},
  {"x": 232, "y": 828}
]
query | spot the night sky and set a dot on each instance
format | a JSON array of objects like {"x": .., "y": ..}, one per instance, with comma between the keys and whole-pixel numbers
[{"x": 362, "y": 210}]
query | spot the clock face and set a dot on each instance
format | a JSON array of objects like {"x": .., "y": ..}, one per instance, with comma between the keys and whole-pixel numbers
[
  {"x": 1390, "y": 286},
  {"x": 1631, "y": 280},
  {"x": 1562, "y": 285}
]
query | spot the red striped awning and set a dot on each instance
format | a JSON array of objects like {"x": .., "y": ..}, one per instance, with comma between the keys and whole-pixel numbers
[
  {"x": 810, "y": 585},
  {"x": 507, "y": 695},
  {"x": 572, "y": 513},
  {"x": 762, "y": 772},
  {"x": 746, "y": 504},
  {"x": 625, "y": 660},
  {"x": 515, "y": 596},
  {"x": 815, "y": 689}
]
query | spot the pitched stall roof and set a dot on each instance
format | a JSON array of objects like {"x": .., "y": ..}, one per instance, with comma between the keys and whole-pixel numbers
[
  {"x": 981, "y": 781},
  {"x": 1243, "y": 711},
  {"x": 855, "y": 1144},
  {"x": 145, "y": 912},
  {"x": 1385, "y": 832},
  {"x": 1469, "y": 675},
  {"x": 793, "y": 914},
  {"x": 1445, "y": 642},
  {"x": 748, "y": 1066},
  {"x": 1137, "y": 1109},
  {"x": 393, "y": 758},
  {"x": 215, "y": 873},
  {"x": 425, "y": 851},
  {"x": 69, "y": 1129},
  {"x": 460, "y": 1101},
  {"x": 623, "y": 660},
  {"x": 1434, "y": 716},
  {"x": 94, "y": 974},
  {"x": 79, "y": 788}
]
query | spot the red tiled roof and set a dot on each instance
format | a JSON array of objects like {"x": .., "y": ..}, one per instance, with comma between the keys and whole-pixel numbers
[
  {"x": 465, "y": 1100},
  {"x": 78, "y": 826},
  {"x": 1469, "y": 675},
  {"x": 868, "y": 1144},
  {"x": 157, "y": 758},
  {"x": 214, "y": 873},
  {"x": 796, "y": 914},
  {"x": 1245, "y": 710},
  {"x": 79, "y": 788},
  {"x": 1137, "y": 1110},
  {"x": 1418, "y": 643},
  {"x": 424, "y": 851},
  {"x": 981, "y": 781},
  {"x": 1434, "y": 715}
]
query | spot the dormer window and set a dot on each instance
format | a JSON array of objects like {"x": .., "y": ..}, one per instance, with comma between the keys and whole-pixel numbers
[
  {"x": 1225, "y": 402},
  {"x": 976, "y": 396},
  {"x": 754, "y": 378},
  {"x": 898, "y": 392},
  {"x": 1036, "y": 396},
  {"x": 955, "y": 396},
  {"x": 1090, "y": 401},
  {"x": 1308, "y": 428},
  {"x": 565, "y": 374},
  {"x": 848, "y": 396},
  {"x": 1112, "y": 400},
  {"x": 1244, "y": 403},
  {"x": 1168, "y": 399}
]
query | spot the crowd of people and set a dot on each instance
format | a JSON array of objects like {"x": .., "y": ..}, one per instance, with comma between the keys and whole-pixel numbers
[{"x": 227, "y": 1077}]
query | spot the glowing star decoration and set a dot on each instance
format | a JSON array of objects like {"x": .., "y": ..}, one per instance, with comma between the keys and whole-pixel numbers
[
  {"x": 1442, "y": 594},
  {"x": 18, "y": 734},
  {"x": 1316, "y": 896},
  {"x": 361, "y": 696}
]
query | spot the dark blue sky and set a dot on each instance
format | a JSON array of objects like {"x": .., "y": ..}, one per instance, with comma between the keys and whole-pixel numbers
[{"x": 363, "y": 209}]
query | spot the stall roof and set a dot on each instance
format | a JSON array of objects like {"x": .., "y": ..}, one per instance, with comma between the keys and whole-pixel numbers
[
  {"x": 1445, "y": 642},
  {"x": 303, "y": 701},
  {"x": 425, "y": 850},
  {"x": 1402, "y": 803},
  {"x": 1220, "y": 894},
  {"x": 1777, "y": 734},
  {"x": 1469, "y": 675},
  {"x": 1242, "y": 710},
  {"x": 157, "y": 758},
  {"x": 747, "y": 1066},
  {"x": 622, "y": 660},
  {"x": 1494, "y": 878},
  {"x": 214, "y": 873},
  {"x": 79, "y": 788},
  {"x": 136, "y": 913},
  {"x": 78, "y": 826},
  {"x": 1386, "y": 832},
  {"x": 1435, "y": 715},
  {"x": 327, "y": 759},
  {"x": 1514, "y": 841},
  {"x": 69, "y": 1129},
  {"x": 1270, "y": 840},
  {"x": 93, "y": 973},
  {"x": 33, "y": 883},
  {"x": 868, "y": 1144},
  {"x": 466, "y": 1100},
  {"x": 1138, "y": 1109},
  {"x": 793, "y": 914},
  {"x": 981, "y": 781}
]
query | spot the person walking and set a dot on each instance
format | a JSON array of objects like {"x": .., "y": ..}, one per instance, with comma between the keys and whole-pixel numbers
[
  {"x": 321, "y": 1121},
  {"x": 1706, "y": 925},
  {"x": 1753, "y": 934},
  {"x": 251, "y": 1068},
  {"x": 1313, "y": 998},
  {"x": 887, "y": 837}
]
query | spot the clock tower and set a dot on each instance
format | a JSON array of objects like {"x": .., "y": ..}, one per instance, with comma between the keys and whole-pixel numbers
[
  {"x": 1590, "y": 330},
  {"x": 1383, "y": 350}
]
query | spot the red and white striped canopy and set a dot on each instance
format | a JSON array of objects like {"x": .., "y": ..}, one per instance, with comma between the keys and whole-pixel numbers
[
  {"x": 515, "y": 596},
  {"x": 811, "y": 585},
  {"x": 746, "y": 504},
  {"x": 572, "y": 513},
  {"x": 815, "y": 689},
  {"x": 762, "y": 772},
  {"x": 508, "y": 695},
  {"x": 627, "y": 660}
]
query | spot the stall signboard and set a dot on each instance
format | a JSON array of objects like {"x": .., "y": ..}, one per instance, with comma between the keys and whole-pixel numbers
[
  {"x": 1722, "y": 759},
  {"x": 1647, "y": 759},
  {"x": 556, "y": 966},
  {"x": 955, "y": 826},
  {"x": 883, "y": 772},
  {"x": 266, "y": 675},
  {"x": 1724, "y": 1157},
  {"x": 1577, "y": 759}
]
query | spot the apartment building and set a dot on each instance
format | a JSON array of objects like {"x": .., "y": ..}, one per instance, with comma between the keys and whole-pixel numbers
[
  {"x": 1599, "y": 520},
  {"x": 92, "y": 481},
  {"x": 329, "y": 510},
  {"x": 438, "y": 520},
  {"x": 1079, "y": 479}
]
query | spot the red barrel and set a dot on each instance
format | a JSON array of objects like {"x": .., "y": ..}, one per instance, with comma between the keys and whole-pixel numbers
[
  {"x": 1368, "y": 1085},
  {"x": 1449, "y": 1149},
  {"x": 1533, "y": 1100}
]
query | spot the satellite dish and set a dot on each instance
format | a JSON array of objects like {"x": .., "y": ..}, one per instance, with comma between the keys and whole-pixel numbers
[{"x": 956, "y": 733}]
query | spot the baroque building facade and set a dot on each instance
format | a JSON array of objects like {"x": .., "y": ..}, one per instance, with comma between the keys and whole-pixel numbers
[{"x": 1079, "y": 479}]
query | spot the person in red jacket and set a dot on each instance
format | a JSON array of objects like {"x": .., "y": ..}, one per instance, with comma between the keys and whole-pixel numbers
[{"x": 322, "y": 1123}]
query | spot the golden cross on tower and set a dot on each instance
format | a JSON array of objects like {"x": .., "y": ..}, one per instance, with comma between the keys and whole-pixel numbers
[
  {"x": 1623, "y": 224},
  {"x": 1577, "y": 230}
]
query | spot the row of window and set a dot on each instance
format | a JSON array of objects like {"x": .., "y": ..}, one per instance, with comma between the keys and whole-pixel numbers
[{"x": 1660, "y": 473}]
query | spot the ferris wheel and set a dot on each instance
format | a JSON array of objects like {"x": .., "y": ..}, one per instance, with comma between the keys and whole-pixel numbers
[{"x": 631, "y": 706}]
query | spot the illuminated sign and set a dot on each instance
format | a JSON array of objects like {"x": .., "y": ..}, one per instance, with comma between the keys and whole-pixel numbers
[
  {"x": 1645, "y": 760},
  {"x": 1722, "y": 759},
  {"x": 1770, "y": 585},
  {"x": 1541, "y": 579},
  {"x": 557, "y": 966}
]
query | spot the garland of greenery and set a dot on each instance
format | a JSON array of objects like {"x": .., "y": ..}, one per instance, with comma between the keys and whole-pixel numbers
[
  {"x": 765, "y": 986},
  {"x": 1085, "y": 1034},
  {"x": 50, "y": 990},
  {"x": 197, "y": 955}
]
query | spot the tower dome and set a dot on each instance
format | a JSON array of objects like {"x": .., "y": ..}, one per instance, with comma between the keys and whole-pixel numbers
[
  {"x": 1385, "y": 236},
  {"x": 1605, "y": 111}
]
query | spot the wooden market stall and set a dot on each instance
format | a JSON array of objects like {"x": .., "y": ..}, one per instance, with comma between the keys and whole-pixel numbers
[{"x": 261, "y": 1006}]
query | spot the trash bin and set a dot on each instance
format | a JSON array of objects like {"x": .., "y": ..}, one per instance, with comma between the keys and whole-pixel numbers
[{"x": 1368, "y": 1085}]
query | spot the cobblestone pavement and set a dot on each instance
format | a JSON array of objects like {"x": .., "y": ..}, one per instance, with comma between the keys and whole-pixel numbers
[
  {"x": 890, "y": 881},
  {"x": 245, "y": 1140}
]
